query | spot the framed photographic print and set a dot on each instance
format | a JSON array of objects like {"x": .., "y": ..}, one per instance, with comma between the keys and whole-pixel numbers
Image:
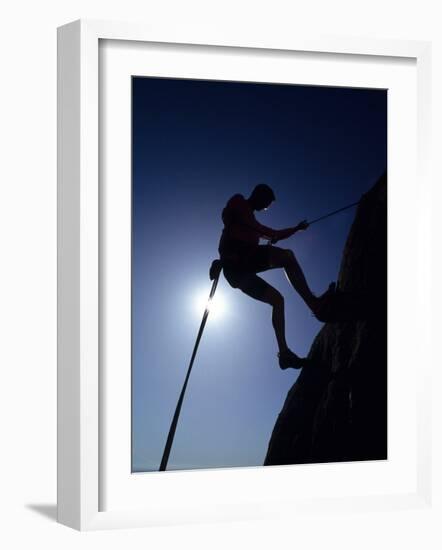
[
  {"x": 234, "y": 253},
  {"x": 186, "y": 209}
]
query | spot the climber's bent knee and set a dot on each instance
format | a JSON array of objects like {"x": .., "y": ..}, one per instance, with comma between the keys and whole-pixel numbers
[
  {"x": 261, "y": 290},
  {"x": 274, "y": 298},
  {"x": 281, "y": 257},
  {"x": 289, "y": 254}
]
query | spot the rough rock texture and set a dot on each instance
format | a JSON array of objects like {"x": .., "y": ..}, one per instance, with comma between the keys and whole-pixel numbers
[{"x": 337, "y": 408}]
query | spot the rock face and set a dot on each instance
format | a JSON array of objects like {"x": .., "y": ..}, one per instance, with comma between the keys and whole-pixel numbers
[{"x": 337, "y": 408}]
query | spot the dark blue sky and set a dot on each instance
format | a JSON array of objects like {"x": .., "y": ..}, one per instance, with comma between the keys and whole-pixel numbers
[{"x": 195, "y": 144}]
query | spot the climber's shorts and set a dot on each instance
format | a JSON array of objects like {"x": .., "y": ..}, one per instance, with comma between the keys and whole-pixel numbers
[{"x": 241, "y": 273}]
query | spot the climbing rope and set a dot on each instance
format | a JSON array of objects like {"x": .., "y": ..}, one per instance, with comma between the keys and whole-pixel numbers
[
  {"x": 215, "y": 271},
  {"x": 170, "y": 437},
  {"x": 334, "y": 212}
]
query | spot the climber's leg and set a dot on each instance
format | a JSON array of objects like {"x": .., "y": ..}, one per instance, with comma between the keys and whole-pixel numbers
[
  {"x": 257, "y": 288},
  {"x": 286, "y": 259}
]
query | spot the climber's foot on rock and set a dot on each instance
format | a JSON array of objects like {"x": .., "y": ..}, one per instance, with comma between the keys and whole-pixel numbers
[
  {"x": 289, "y": 360},
  {"x": 323, "y": 309}
]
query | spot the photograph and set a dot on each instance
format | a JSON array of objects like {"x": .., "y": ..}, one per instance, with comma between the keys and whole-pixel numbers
[{"x": 258, "y": 274}]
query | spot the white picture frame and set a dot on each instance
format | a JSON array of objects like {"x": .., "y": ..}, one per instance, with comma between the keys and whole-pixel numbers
[{"x": 79, "y": 276}]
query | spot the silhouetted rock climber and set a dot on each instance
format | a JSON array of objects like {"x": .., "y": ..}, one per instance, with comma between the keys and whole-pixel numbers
[{"x": 242, "y": 257}]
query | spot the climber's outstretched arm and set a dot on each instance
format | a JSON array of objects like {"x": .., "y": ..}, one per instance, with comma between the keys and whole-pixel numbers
[
  {"x": 247, "y": 218},
  {"x": 285, "y": 233}
]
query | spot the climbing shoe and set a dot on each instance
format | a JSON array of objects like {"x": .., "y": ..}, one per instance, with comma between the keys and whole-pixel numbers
[
  {"x": 324, "y": 310},
  {"x": 289, "y": 360}
]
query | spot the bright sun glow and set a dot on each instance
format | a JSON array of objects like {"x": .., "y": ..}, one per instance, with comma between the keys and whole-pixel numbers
[{"x": 217, "y": 306}]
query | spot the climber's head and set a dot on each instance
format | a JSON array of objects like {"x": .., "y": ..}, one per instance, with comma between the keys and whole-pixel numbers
[{"x": 262, "y": 197}]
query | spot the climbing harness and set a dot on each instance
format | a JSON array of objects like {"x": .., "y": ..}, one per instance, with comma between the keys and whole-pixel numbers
[{"x": 214, "y": 273}]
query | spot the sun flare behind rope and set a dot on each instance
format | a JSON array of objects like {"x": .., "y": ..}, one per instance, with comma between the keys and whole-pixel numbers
[{"x": 217, "y": 305}]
